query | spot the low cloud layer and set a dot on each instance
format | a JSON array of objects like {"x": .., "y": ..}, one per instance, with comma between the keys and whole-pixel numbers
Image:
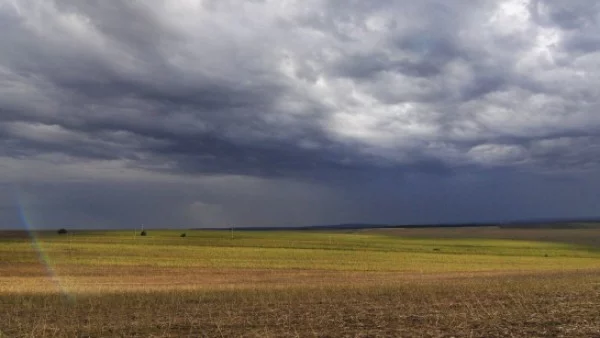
[{"x": 321, "y": 96}]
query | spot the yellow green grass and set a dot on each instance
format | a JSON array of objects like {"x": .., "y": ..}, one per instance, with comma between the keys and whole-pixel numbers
[{"x": 300, "y": 250}]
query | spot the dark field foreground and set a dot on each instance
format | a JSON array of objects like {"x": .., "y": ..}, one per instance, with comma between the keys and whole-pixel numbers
[{"x": 549, "y": 305}]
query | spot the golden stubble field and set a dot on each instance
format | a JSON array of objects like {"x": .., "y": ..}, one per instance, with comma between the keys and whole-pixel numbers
[{"x": 376, "y": 283}]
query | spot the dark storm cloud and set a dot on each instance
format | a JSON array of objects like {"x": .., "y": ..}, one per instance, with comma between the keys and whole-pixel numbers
[
  {"x": 336, "y": 92},
  {"x": 215, "y": 94},
  {"x": 198, "y": 113}
]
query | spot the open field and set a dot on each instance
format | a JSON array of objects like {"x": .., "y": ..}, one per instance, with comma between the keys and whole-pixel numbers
[
  {"x": 579, "y": 234},
  {"x": 393, "y": 282}
]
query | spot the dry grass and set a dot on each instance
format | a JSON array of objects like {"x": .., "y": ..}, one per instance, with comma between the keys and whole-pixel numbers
[
  {"x": 34, "y": 279},
  {"x": 549, "y": 305}
]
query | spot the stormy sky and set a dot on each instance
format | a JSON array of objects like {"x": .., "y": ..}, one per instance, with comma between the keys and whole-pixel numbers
[{"x": 191, "y": 113}]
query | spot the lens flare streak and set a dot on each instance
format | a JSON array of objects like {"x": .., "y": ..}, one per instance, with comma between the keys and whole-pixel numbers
[{"x": 41, "y": 252}]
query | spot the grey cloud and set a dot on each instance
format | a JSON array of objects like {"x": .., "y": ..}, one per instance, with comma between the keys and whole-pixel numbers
[
  {"x": 573, "y": 15},
  {"x": 322, "y": 91},
  {"x": 215, "y": 101}
]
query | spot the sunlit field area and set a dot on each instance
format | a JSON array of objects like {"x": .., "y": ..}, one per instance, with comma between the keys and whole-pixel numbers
[{"x": 479, "y": 282}]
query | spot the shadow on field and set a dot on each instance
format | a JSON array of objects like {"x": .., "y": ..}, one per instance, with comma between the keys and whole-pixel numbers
[{"x": 584, "y": 237}]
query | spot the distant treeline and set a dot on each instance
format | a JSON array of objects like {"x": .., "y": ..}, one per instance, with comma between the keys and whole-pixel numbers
[{"x": 552, "y": 224}]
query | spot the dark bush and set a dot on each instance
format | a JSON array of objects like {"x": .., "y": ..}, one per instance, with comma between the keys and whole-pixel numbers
[
  {"x": 182, "y": 235},
  {"x": 143, "y": 233},
  {"x": 62, "y": 231}
]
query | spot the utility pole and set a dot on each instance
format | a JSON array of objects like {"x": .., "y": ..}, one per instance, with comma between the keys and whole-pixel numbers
[{"x": 232, "y": 232}]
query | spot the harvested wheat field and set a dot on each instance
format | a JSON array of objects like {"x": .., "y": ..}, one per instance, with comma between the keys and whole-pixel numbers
[{"x": 375, "y": 283}]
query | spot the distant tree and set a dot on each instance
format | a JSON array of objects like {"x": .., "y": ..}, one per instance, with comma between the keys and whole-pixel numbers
[
  {"x": 62, "y": 231},
  {"x": 182, "y": 235},
  {"x": 143, "y": 233}
]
